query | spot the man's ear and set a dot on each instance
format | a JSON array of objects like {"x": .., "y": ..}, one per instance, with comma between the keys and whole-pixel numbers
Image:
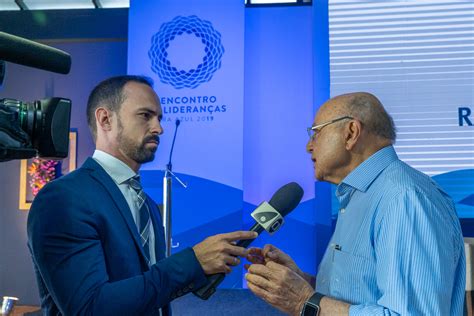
[
  {"x": 103, "y": 117},
  {"x": 352, "y": 133}
]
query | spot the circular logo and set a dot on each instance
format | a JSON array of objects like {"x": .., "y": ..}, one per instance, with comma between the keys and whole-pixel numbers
[{"x": 178, "y": 78}]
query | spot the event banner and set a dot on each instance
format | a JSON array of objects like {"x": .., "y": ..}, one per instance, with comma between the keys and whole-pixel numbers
[{"x": 194, "y": 52}]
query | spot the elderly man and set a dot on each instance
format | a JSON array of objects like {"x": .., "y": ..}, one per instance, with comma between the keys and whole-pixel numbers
[{"x": 397, "y": 248}]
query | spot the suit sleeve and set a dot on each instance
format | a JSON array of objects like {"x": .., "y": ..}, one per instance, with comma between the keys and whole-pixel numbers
[{"x": 66, "y": 246}]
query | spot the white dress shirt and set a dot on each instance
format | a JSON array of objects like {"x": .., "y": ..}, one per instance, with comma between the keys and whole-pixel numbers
[{"x": 120, "y": 173}]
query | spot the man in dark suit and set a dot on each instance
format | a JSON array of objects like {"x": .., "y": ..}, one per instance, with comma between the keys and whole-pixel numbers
[{"x": 96, "y": 239}]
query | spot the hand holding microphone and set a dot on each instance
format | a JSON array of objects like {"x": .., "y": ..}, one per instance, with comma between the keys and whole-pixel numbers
[
  {"x": 217, "y": 253},
  {"x": 269, "y": 217}
]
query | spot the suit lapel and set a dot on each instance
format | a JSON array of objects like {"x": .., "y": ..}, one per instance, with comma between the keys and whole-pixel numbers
[{"x": 98, "y": 173}]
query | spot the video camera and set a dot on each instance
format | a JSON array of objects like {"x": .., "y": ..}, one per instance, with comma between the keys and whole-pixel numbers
[{"x": 38, "y": 128}]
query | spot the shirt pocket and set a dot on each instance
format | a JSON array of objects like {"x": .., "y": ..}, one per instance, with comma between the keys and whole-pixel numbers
[{"x": 352, "y": 276}]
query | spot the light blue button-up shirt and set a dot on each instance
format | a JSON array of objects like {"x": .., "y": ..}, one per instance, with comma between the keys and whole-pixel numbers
[{"x": 397, "y": 248}]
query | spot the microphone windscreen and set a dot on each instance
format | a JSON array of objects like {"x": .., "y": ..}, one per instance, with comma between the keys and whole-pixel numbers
[
  {"x": 287, "y": 198},
  {"x": 21, "y": 51}
]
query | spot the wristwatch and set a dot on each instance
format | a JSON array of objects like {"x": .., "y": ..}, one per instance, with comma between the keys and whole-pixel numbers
[{"x": 311, "y": 306}]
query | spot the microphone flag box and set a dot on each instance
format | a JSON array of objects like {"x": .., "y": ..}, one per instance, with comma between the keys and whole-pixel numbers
[{"x": 268, "y": 217}]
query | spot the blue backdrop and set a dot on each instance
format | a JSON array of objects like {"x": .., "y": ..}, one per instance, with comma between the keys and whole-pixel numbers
[{"x": 236, "y": 157}]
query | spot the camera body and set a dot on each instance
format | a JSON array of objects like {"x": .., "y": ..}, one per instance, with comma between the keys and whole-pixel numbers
[{"x": 38, "y": 128}]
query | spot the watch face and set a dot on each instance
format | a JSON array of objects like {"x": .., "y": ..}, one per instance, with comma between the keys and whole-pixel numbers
[
  {"x": 310, "y": 309},
  {"x": 311, "y": 306}
]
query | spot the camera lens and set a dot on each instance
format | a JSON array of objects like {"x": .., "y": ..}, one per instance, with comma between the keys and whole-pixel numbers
[
  {"x": 42, "y": 125},
  {"x": 27, "y": 114}
]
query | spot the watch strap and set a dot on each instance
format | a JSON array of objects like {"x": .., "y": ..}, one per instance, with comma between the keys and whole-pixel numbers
[{"x": 316, "y": 298}]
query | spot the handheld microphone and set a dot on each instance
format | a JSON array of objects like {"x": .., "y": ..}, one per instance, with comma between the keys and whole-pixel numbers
[
  {"x": 269, "y": 217},
  {"x": 21, "y": 51}
]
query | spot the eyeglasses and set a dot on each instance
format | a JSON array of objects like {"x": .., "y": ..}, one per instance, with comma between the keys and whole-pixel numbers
[{"x": 315, "y": 130}]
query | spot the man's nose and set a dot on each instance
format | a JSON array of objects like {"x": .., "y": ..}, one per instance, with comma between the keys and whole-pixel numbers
[
  {"x": 309, "y": 146},
  {"x": 157, "y": 128}
]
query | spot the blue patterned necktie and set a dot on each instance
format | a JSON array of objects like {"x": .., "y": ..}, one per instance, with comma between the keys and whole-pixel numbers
[{"x": 144, "y": 220}]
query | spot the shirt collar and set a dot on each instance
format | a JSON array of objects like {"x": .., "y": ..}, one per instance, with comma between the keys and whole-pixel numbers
[
  {"x": 117, "y": 169},
  {"x": 362, "y": 177}
]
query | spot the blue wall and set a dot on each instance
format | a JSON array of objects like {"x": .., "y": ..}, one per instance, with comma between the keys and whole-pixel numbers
[{"x": 278, "y": 108}]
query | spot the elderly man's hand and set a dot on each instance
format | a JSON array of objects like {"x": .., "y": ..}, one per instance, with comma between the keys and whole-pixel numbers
[
  {"x": 272, "y": 253},
  {"x": 279, "y": 286}
]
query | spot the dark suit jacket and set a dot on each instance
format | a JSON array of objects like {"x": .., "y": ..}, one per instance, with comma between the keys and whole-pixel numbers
[{"x": 87, "y": 255}]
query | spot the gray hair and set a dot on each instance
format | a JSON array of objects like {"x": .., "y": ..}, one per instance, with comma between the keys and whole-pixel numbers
[{"x": 370, "y": 111}]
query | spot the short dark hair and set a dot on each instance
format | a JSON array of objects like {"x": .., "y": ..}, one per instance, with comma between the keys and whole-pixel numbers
[{"x": 109, "y": 93}]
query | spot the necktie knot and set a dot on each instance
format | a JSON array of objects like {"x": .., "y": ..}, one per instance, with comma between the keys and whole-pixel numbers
[{"x": 135, "y": 184}]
